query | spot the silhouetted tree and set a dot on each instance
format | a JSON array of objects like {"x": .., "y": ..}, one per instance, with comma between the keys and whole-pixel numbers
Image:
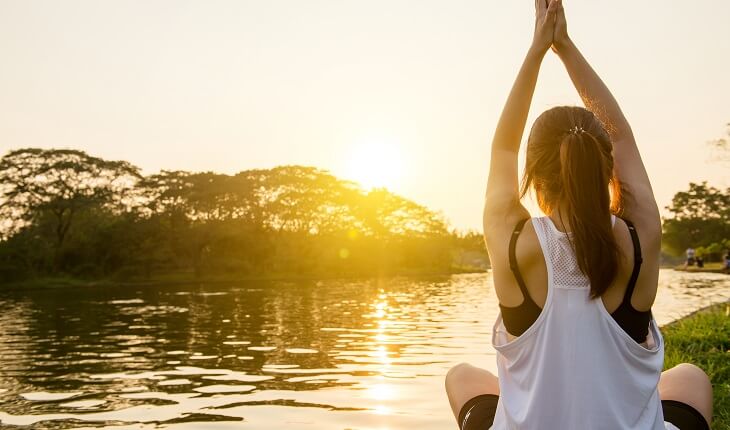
[
  {"x": 70, "y": 213},
  {"x": 60, "y": 183},
  {"x": 700, "y": 217}
]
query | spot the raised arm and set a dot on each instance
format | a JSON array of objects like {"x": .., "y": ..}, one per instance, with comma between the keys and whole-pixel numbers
[
  {"x": 638, "y": 200},
  {"x": 502, "y": 200}
]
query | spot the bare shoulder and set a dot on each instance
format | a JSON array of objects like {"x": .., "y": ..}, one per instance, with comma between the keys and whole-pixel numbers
[
  {"x": 649, "y": 243},
  {"x": 640, "y": 207},
  {"x": 647, "y": 222},
  {"x": 498, "y": 234}
]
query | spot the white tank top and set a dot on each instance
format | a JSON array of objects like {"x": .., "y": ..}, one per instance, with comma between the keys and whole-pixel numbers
[{"x": 575, "y": 368}]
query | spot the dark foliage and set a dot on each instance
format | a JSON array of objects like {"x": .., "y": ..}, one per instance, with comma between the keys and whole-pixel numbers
[{"x": 66, "y": 213}]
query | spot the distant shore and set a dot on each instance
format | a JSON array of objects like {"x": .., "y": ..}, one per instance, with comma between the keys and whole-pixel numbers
[
  {"x": 189, "y": 278},
  {"x": 709, "y": 268}
]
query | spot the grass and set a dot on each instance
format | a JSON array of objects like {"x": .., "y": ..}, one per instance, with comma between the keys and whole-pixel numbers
[{"x": 703, "y": 339}]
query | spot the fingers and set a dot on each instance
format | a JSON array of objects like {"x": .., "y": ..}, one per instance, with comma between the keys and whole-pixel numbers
[
  {"x": 553, "y": 7},
  {"x": 561, "y": 11},
  {"x": 541, "y": 7}
]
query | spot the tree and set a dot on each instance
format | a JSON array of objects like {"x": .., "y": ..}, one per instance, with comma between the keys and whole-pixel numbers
[
  {"x": 60, "y": 182},
  {"x": 700, "y": 217},
  {"x": 70, "y": 213}
]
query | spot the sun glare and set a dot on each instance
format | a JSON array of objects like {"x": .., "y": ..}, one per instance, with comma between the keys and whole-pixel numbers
[{"x": 376, "y": 163}]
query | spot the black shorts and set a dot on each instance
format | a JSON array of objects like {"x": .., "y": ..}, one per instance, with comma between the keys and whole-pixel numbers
[
  {"x": 478, "y": 413},
  {"x": 683, "y": 416}
]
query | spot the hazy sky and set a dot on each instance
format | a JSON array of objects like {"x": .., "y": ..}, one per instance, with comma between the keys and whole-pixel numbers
[{"x": 232, "y": 85}]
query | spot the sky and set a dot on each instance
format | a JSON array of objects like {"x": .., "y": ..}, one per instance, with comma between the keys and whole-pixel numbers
[{"x": 397, "y": 93}]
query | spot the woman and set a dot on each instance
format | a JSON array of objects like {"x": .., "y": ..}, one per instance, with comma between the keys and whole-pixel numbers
[{"x": 577, "y": 345}]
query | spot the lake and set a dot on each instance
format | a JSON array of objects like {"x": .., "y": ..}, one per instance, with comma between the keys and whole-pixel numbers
[{"x": 334, "y": 354}]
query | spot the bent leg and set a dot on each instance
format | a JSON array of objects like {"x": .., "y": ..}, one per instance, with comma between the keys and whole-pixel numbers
[
  {"x": 688, "y": 384},
  {"x": 464, "y": 382}
]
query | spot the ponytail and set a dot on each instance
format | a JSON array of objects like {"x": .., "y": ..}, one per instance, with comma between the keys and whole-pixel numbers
[{"x": 584, "y": 178}]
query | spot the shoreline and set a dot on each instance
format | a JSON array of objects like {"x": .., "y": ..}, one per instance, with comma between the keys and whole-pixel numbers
[
  {"x": 186, "y": 279},
  {"x": 703, "y": 270},
  {"x": 711, "y": 267},
  {"x": 703, "y": 310}
]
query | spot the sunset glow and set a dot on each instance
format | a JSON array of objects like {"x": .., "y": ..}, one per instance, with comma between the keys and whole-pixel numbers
[
  {"x": 307, "y": 214},
  {"x": 376, "y": 163}
]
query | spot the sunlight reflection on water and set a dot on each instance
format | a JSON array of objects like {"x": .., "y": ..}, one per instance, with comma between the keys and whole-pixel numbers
[{"x": 341, "y": 354}]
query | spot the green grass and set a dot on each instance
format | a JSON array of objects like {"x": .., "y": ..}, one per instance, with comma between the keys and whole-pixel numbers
[{"x": 703, "y": 339}]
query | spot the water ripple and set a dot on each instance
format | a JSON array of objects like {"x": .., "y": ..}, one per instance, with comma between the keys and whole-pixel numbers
[{"x": 365, "y": 354}]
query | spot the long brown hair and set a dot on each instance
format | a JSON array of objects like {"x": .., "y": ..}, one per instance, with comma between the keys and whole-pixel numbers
[{"x": 570, "y": 166}]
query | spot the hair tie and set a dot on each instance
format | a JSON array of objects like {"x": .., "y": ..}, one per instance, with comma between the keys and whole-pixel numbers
[{"x": 577, "y": 130}]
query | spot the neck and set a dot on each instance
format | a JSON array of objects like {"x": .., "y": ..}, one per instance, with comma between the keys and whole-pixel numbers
[{"x": 560, "y": 218}]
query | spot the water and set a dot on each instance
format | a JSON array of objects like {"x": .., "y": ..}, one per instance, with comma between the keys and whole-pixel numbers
[{"x": 353, "y": 354}]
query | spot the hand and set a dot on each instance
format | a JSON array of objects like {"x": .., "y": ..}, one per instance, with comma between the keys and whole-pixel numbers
[
  {"x": 560, "y": 36},
  {"x": 545, "y": 18}
]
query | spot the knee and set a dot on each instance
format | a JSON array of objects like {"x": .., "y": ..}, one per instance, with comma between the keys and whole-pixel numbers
[
  {"x": 456, "y": 374},
  {"x": 684, "y": 375},
  {"x": 692, "y": 386},
  {"x": 695, "y": 372}
]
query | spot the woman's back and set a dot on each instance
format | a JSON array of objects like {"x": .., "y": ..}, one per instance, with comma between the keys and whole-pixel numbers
[
  {"x": 572, "y": 367},
  {"x": 532, "y": 267}
]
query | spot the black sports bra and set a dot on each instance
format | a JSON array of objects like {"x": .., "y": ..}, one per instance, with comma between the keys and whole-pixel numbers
[{"x": 519, "y": 318}]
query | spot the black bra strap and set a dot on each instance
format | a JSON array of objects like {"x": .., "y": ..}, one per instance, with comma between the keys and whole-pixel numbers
[
  {"x": 637, "y": 262},
  {"x": 513, "y": 259}
]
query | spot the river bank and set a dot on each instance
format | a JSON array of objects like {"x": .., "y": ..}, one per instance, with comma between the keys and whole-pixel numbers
[
  {"x": 709, "y": 268},
  {"x": 703, "y": 338},
  {"x": 187, "y": 278}
]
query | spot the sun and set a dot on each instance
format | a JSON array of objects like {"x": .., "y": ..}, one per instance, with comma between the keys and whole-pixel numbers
[{"x": 376, "y": 163}]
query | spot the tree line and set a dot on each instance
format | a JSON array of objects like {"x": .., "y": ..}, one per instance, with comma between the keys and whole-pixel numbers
[
  {"x": 67, "y": 213},
  {"x": 700, "y": 218}
]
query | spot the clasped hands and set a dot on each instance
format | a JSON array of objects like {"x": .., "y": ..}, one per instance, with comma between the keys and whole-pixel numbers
[{"x": 551, "y": 29}]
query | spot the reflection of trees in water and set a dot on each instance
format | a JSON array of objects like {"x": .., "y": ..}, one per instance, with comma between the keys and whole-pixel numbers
[
  {"x": 48, "y": 333},
  {"x": 18, "y": 346},
  {"x": 372, "y": 327}
]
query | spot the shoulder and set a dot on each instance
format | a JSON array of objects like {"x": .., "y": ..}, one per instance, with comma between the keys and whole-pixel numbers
[
  {"x": 527, "y": 252},
  {"x": 649, "y": 243},
  {"x": 641, "y": 209},
  {"x": 648, "y": 228},
  {"x": 625, "y": 243}
]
